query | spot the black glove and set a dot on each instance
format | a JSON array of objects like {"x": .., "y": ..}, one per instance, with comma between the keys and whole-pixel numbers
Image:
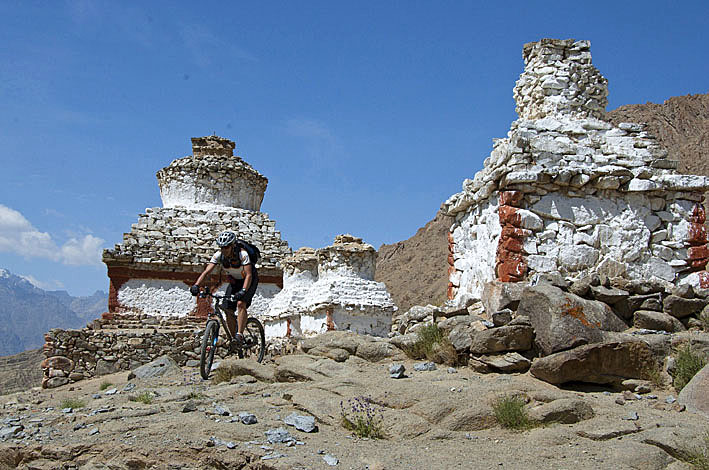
[
  {"x": 240, "y": 294},
  {"x": 194, "y": 290}
]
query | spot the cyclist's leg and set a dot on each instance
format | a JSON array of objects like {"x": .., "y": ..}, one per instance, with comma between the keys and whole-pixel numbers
[
  {"x": 229, "y": 306},
  {"x": 241, "y": 308},
  {"x": 245, "y": 302}
]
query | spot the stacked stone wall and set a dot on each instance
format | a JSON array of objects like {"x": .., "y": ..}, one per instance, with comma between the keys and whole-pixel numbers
[
  {"x": 184, "y": 237},
  {"x": 118, "y": 342}
]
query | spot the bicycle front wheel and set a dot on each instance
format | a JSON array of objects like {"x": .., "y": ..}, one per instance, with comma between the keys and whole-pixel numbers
[
  {"x": 254, "y": 340},
  {"x": 209, "y": 345}
]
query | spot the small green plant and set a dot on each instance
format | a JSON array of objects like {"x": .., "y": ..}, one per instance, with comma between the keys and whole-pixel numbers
[
  {"x": 687, "y": 363},
  {"x": 105, "y": 385},
  {"x": 73, "y": 403},
  {"x": 510, "y": 412},
  {"x": 654, "y": 375},
  {"x": 362, "y": 417},
  {"x": 146, "y": 397},
  {"x": 432, "y": 344}
]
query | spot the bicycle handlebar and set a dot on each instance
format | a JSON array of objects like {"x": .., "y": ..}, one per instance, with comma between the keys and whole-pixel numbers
[{"x": 206, "y": 293}]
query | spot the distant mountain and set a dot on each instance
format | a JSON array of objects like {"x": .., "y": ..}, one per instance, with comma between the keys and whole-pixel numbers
[
  {"x": 27, "y": 312},
  {"x": 88, "y": 308}
]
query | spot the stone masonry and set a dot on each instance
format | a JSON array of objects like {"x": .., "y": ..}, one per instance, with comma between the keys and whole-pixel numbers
[
  {"x": 568, "y": 192},
  {"x": 163, "y": 254}
]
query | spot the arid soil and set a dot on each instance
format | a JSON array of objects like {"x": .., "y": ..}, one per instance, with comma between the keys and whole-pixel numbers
[{"x": 440, "y": 419}]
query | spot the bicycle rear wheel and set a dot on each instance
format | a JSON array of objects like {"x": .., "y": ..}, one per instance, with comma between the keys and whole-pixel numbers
[
  {"x": 209, "y": 345},
  {"x": 254, "y": 340}
]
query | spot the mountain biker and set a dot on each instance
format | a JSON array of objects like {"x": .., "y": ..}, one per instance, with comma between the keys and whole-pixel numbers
[{"x": 242, "y": 277}]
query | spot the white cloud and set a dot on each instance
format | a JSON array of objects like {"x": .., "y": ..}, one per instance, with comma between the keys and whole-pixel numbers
[
  {"x": 19, "y": 236},
  {"x": 82, "y": 251}
]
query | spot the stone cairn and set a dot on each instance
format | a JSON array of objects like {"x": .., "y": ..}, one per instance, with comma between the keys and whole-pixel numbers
[
  {"x": 332, "y": 288},
  {"x": 568, "y": 192}
]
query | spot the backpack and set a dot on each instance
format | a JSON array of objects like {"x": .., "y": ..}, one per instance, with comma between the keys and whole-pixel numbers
[{"x": 251, "y": 249}]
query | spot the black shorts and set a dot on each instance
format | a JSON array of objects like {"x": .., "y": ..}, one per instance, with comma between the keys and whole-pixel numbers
[{"x": 235, "y": 286}]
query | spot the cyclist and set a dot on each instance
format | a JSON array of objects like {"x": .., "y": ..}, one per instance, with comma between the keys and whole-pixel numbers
[{"x": 242, "y": 277}]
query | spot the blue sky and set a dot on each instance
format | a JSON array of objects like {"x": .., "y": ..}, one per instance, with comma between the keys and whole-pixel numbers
[{"x": 364, "y": 115}]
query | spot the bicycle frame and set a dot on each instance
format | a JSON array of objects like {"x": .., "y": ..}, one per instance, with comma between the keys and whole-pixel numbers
[{"x": 217, "y": 312}]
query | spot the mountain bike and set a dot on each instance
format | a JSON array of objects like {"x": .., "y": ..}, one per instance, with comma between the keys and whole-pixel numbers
[{"x": 253, "y": 346}]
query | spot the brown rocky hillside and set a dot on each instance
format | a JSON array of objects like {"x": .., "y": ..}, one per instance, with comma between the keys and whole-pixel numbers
[
  {"x": 415, "y": 271},
  {"x": 681, "y": 124}
]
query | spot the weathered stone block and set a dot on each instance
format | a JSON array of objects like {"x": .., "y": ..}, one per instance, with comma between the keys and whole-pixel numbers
[{"x": 563, "y": 320}]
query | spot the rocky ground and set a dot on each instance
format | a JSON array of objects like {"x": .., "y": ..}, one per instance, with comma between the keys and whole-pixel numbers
[{"x": 440, "y": 418}]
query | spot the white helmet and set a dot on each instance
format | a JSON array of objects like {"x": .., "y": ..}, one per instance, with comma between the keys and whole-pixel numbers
[{"x": 226, "y": 238}]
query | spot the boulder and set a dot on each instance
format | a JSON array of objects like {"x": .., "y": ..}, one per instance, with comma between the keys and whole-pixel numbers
[
  {"x": 450, "y": 311},
  {"x": 601, "y": 363},
  {"x": 58, "y": 362},
  {"x": 609, "y": 295},
  {"x": 504, "y": 338},
  {"x": 583, "y": 285},
  {"x": 562, "y": 320},
  {"x": 679, "y": 307},
  {"x": 404, "y": 341},
  {"x": 237, "y": 367},
  {"x": 502, "y": 317},
  {"x": 651, "y": 320},
  {"x": 162, "y": 366},
  {"x": 461, "y": 337},
  {"x": 449, "y": 323},
  {"x": 510, "y": 362},
  {"x": 104, "y": 367},
  {"x": 564, "y": 411},
  {"x": 346, "y": 340},
  {"x": 374, "y": 351},
  {"x": 336, "y": 354},
  {"x": 695, "y": 395},
  {"x": 498, "y": 295}
]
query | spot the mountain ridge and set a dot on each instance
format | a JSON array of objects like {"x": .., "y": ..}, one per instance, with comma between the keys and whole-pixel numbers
[{"x": 27, "y": 312}]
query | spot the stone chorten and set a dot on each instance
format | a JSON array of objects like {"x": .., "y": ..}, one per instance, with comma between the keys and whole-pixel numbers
[
  {"x": 203, "y": 194},
  {"x": 567, "y": 192},
  {"x": 332, "y": 288}
]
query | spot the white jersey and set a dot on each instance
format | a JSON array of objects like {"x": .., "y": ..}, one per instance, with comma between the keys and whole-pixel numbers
[{"x": 235, "y": 272}]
